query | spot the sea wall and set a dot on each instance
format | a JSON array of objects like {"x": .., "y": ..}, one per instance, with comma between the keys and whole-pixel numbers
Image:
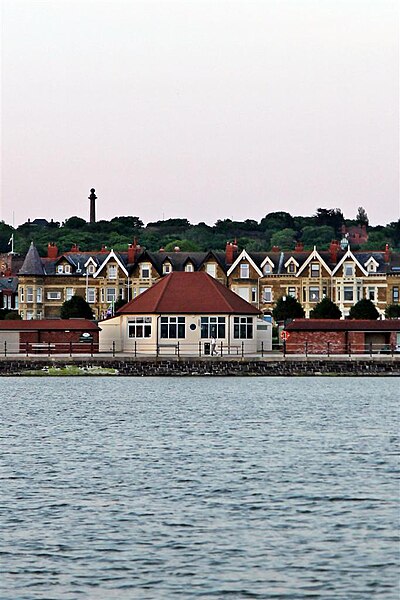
[{"x": 384, "y": 366}]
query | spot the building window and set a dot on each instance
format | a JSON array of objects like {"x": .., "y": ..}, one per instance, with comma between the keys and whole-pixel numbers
[
  {"x": 69, "y": 292},
  {"x": 189, "y": 268},
  {"x": 243, "y": 328},
  {"x": 60, "y": 269},
  {"x": 372, "y": 267},
  {"x": 212, "y": 327},
  {"x": 395, "y": 294},
  {"x": 348, "y": 269},
  {"x": 29, "y": 315},
  {"x": 314, "y": 294},
  {"x": 291, "y": 267},
  {"x": 211, "y": 269},
  {"x": 291, "y": 292},
  {"x": 139, "y": 327},
  {"x": 244, "y": 271},
  {"x": 29, "y": 294},
  {"x": 39, "y": 294},
  {"x": 371, "y": 294},
  {"x": 22, "y": 294},
  {"x": 143, "y": 289},
  {"x": 167, "y": 268},
  {"x": 90, "y": 269},
  {"x": 111, "y": 294},
  {"x": 267, "y": 297},
  {"x": 67, "y": 268},
  {"x": 172, "y": 327},
  {"x": 315, "y": 269},
  {"x": 145, "y": 271},
  {"x": 112, "y": 271},
  {"x": 254, "y": 294},
  {"x": 53, "y": 295},
  {"x": 348, "y": 294},
  {"x": 90, "y": 295},
  {"x": 267, "y": 269}
]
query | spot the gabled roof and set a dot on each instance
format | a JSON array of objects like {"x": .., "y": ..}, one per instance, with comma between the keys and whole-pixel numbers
[
  {"x": 188, "y": 293},
  {"x": 315, "y": 255},
  {"x": 350, "y": 256},
  {"x": 32, "y": 264},
  {"x": 343, "y": 325},
  {"x": 117, "y": 259},
  {"x": 244, "y": 256}
]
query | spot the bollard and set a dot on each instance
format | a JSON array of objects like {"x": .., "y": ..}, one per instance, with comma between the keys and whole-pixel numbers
[
  {"x": 199, "y": 349},
  {"x": 135, "y": 348},
  {"x": 328, "y": 349},
  {"x": 221, "y": 349},
  {"x": 242, "y": 349},
  {"x": 27, "y": 348},
  {"x": 306, "y": 349},
  {"x": 70, "y": 348},
  {"x": 113, "y": 349},
  {"x": 262, "y": 349},
  {"x": 284, "y": 347},
  {"x": 48, "y": 349},
  {"x": 178, "y": 350},
  {"x": 5, "y": 348}
]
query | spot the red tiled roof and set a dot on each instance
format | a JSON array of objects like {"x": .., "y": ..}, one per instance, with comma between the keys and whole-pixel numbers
[
  {"x": 188, "y": 293},
  {"x": 343, "y": 325},
  {"x": 49, "y": 325}
]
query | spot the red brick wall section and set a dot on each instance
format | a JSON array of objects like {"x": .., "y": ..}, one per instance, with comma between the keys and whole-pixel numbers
[
  {"x": 317, "y": 342},
  {"x": 59, "y": 340}
]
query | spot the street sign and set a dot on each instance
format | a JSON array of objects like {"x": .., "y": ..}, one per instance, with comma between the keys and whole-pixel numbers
[{"x": 285, "y": 335}]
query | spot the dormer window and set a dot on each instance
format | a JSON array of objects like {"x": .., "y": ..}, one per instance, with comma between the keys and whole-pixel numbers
[
  {"x": 211, "y": 269},
  {"x": 244, "y": 271},
  {"x": 189, "y": 268},
  {"x": 315, "y": 270},
  {"x": 67, "y": 269},
  {"x": 348, "y": 269},
  {"x": 371, "y": 267},
  {"x": 112, "y": 271},
  {"x": 60, "y": 269},
  {"x": 145, "y": 271},
  {"x": 90, "y": 269},
  {"x": 267, "y": 269},
  {"x": 291, "y": 268},
  {"x": 167, "y": 268}
]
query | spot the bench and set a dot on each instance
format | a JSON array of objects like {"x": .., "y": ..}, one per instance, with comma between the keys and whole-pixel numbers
[{"x": 41, "y": 346}]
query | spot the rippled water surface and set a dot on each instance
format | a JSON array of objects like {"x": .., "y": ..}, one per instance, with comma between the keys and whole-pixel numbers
[{"x": 155, "y": 488}]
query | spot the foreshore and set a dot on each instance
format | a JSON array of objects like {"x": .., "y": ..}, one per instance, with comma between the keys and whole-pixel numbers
[{"x": 277, "y": 365}]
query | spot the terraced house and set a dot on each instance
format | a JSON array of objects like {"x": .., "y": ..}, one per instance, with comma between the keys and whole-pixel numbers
[{"x": 260, "y": 278}]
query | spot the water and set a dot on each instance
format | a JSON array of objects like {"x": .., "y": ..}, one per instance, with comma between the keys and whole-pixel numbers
[{"x": 136, "y": 488}]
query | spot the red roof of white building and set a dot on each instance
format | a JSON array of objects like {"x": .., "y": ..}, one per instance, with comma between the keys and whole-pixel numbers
[{"x": 188, "y": 293}]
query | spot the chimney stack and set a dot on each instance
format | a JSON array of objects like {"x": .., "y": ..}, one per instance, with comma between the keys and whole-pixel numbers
[
  {"x": 75, "y": 248},
  {"x": 133, "y": 251},
  {"x": 333, "y": 251},
  {"x": 92, "y": 199},
  {"x": 52, "y": 250},
  {"x": 299, "y": 247},
  {"x": 387, "y": 254},
  {"x": 275, "y": 249}
]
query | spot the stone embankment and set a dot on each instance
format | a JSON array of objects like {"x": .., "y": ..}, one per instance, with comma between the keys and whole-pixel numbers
[{"x": 129, "y": 366}]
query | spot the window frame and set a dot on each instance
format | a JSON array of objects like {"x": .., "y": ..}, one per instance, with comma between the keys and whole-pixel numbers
[
  {"x": 172, "y": 327},
  {"x": 212, "y": 326},
  {"x": 141, "y": 327},
  {"x": 243, "y": 328}
]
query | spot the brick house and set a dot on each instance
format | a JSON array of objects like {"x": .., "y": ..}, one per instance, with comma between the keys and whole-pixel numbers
[
  {"x": 60, "y": 336},
  {"x": 330, "y": 336}
]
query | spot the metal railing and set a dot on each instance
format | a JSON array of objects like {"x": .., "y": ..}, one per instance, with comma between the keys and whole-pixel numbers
[{"x": 201, "y": 349}]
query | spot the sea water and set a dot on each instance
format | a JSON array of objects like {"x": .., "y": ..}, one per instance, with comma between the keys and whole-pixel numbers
[{"x": 153, "y": 488}]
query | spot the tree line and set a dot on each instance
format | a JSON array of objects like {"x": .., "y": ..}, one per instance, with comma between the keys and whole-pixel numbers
[{"x": 275, "y": 229}]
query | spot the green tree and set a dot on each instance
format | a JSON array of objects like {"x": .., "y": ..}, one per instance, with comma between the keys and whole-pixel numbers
[
  {"x": 317, "y": 236},
  {"x": 362, "y": 217},
  {"x": 119, "y": 304},
  {"x": 76, "y": 308},
  {"x": 183, "y": 245},
  {"x": 364, "y": 309},
  {"x": 286, "y": 308},
  {"x": 74, "y": 223},
  {"x": 285, "y": 239},
  {"x": 326, "y": 309},
  {"x": 12, "y": 316},
  {"x": 392, "y": 311}
]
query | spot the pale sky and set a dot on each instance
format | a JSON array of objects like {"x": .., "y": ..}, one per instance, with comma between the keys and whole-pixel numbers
[{"x": 199, "y": 110}]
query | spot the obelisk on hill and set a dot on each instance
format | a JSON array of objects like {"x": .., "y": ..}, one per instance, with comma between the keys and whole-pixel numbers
[{"x": 92, "y": 199}]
